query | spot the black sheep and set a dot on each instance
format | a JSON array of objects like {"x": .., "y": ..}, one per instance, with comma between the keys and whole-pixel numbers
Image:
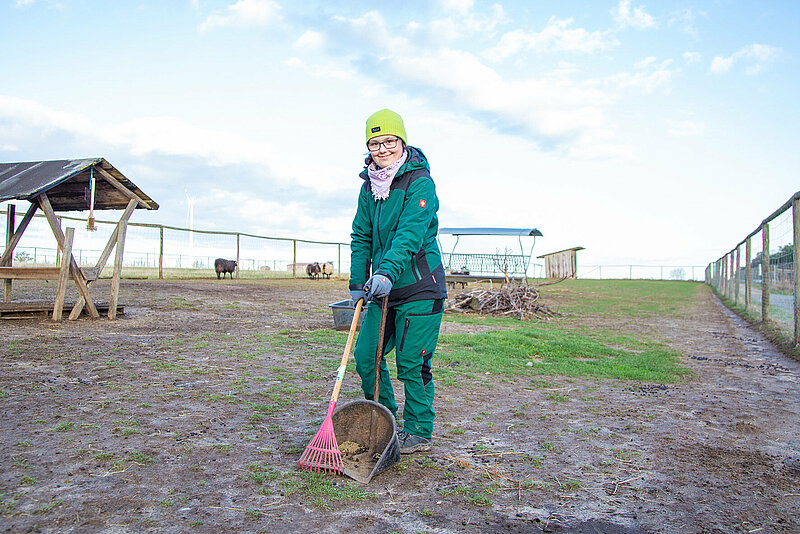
[{"x": 224, "y": 266}]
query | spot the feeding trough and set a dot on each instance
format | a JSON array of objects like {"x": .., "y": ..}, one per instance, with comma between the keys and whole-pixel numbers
[{"x": 343, "y": 314}]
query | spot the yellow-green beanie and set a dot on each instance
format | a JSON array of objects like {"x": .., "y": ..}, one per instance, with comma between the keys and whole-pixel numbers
[{"x": 385, "y": 122}]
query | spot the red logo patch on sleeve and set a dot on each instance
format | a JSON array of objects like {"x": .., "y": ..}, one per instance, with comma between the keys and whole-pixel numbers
[{"x": 422, "y": 203}]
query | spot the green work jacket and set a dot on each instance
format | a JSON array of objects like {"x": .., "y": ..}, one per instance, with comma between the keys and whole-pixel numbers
[{"x": 397, "y": 236}]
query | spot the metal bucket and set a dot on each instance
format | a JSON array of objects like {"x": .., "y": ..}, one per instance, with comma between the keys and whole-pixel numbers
[
  {"x": 343, "y": 312},
  {"x": 373, "y": 428}
]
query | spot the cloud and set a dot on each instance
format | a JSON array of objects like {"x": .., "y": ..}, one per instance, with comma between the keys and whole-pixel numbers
[
  {"x": 555, "y": 110},
  {"x": 548, "y": 111},
  {"x": 635, "y": 18},
  {"x": 26, "y": 119},
  {"x": 650, "y": 75},
  {"x": 244, "y": 13},
  {"x": 755, "y": 56},
  {"x": 328, "y": 70},
  {"x": 691, "y": 57},
  {"x": 557, "y": 36},
  {"x": 23, "y": 3},
  {"x": 684, "y": 20},
  {"x": 310, "y": 39},
  {"x": 166, "y": 156},
  {"x": 685, "y": 128},
  {"x": 462, "y": 7}
]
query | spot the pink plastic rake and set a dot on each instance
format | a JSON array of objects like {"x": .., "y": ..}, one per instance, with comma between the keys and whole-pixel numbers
[{"x": 323, "y": 452}]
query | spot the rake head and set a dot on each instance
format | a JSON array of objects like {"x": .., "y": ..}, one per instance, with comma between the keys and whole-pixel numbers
[{"x": 323, "y": 452}]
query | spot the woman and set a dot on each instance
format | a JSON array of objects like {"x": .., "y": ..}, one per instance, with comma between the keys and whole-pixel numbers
[{"x": 394, "y": 255}]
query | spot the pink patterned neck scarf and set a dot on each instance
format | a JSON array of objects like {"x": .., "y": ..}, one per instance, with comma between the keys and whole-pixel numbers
[{"x": 381, "y": 179}]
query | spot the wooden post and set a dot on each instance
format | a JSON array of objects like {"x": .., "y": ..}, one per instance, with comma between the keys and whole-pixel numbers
[
  {"x": 122, "y": 228},
  {"x": 796, "y": 267},
  {"x": 58, "y": 245},
  {"x": 101, "y": 261},
  {"x": 748, "y": 274},
  {"x": 11, "y": 244},
  {"x": 63, "y": 275},
  {"x": 732, "y": 280},
  {"x": 8, "y": 255},
  {"x": 765, "y": 272},
  {"x": 160, "y": 252},
  {"x": 724, "y": 275},
  {"x": 339, "y": 263},
  {"x": 77, "y": 274},
  {"x": 294, "y": 258},
  {"x": 238, "y": 265},
  {"x": 736, "y": 276}
]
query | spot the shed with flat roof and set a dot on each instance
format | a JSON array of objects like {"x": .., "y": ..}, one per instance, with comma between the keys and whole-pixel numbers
[{"x": 561, "y": 264}]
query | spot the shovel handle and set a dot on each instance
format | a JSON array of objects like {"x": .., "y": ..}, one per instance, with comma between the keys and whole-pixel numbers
[
  {"x": 379, "y": 350},
  {"x": 346, "y": 356}
]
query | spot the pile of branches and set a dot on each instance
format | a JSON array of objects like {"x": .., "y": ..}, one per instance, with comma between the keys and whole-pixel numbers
[{"x": 512, "y": 299}]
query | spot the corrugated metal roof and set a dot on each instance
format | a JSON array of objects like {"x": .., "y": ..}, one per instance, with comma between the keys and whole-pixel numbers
[
  {"x": 67, "y": 184},
  {"x": 27, "y": 179}
]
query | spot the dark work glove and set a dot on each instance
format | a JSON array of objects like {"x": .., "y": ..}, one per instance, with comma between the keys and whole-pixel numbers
[
  {"x": 357, "y": 294},
  {"x": 378, "y": 286}
]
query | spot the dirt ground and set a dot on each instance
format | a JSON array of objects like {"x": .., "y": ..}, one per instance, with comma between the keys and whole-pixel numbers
[{"x": 188, "y": 414}]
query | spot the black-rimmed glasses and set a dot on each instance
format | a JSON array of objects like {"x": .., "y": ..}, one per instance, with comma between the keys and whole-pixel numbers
[{"x": 389, "y": 144}]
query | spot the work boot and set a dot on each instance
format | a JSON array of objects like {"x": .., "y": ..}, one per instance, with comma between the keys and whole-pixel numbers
[{"x": 410, "y": 443}]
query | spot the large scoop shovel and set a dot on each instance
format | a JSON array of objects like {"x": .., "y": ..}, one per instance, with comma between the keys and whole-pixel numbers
[{"x": 366, "y": 431}]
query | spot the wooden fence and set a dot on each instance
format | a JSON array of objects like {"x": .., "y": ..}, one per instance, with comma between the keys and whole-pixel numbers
[{"x": 739, "y": 279}]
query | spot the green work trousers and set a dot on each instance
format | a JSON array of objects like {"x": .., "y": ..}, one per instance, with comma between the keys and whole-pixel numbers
[{"x": 412, "y": 329}]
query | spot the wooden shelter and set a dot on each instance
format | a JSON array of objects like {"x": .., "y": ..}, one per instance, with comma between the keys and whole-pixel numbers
[
  {"x": 67, "y": 185},
  {"x": 561, "y": 264}
]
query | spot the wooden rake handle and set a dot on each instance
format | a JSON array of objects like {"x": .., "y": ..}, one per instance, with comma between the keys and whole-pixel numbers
[{"x": 346, "y": 356}]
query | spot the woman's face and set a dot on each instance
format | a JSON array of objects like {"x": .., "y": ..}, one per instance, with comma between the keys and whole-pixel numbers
[{"x": 381, "y": 154}]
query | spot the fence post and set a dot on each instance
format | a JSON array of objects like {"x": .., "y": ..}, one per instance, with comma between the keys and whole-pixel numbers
[
  {"x": 9, "y": 232},
  {"x": 748, "y": 275},
  {"x": 733, "y": 275},
  {"x": 339, "y": 262},
  {"x": 736, "y": 276},
  {"x": 238, "y": 265},
  {"x": 160, "y": 252},
  {"x": 765, "y": 272},
  {"x": 724, "y": 275},
  {"x": 294, "y": 258},
  {"x": 796, "y": 224}
]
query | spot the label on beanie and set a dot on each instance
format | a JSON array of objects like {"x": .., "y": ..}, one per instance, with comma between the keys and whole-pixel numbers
[{"x": 375, "y": 129}]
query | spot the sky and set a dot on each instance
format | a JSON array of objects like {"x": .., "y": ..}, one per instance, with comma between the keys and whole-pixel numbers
[{"x": 648, "y": 132}]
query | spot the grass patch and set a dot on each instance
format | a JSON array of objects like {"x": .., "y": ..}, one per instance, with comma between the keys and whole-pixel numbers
[
  {"x": 321, "y": 489},
  {"x": 140, "y": 458},
  {"x": 624, "y": 297},
  {"x": 554, "y": 350}
]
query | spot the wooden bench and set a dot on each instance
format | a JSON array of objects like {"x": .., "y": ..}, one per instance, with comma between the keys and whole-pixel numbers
[
  {"x": 41, "y": 273},
  {"x": 68, "y": 268}
]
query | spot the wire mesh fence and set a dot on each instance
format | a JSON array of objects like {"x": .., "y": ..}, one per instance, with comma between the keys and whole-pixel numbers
[
  {"x": 759, "y": 275},
  {"x": 157, "y": 251}
]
